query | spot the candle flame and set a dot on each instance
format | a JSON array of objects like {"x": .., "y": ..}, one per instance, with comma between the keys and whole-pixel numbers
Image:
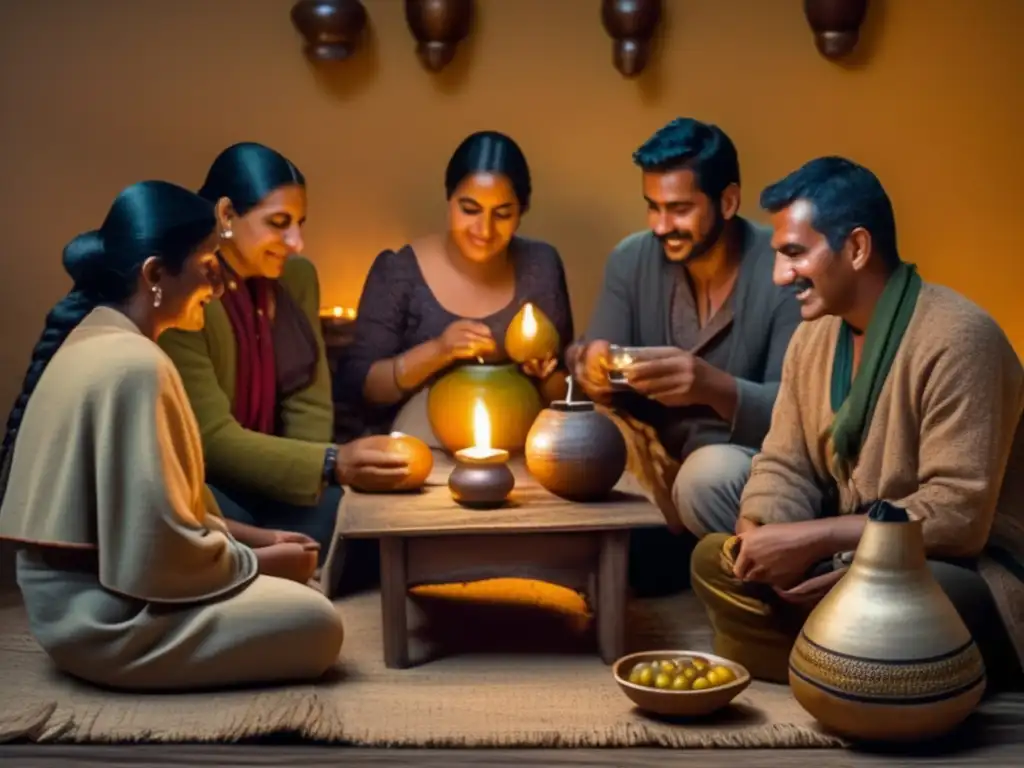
[
  {"x": 339, "y": 313},
  {"x": 529, "y": 322},
  {"x": 481, "y": 426}
]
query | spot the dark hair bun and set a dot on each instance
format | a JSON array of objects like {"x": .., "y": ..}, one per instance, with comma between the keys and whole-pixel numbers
[{"x": 83, "y": 254}]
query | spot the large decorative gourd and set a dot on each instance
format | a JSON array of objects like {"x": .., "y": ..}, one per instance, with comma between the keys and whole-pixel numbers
[
  {"x": 531, "y": 336},
  {"x": 510, "y": 398},
  {"x": 885, "y": 656}
]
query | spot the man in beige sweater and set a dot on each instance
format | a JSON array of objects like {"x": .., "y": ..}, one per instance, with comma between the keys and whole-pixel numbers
[{"x": 892, "y": 389}]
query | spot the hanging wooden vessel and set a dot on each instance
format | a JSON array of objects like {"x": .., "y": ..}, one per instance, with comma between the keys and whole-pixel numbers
[
  {"x": 332, "y": 29},
  {"x": 438, "y": 26},
  {"x": 631, "y": 25},
  {"x": 836, "y": 25}
]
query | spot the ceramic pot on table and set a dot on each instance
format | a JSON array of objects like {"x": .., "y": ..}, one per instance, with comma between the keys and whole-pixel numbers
[{"x": 575, "y": 451}]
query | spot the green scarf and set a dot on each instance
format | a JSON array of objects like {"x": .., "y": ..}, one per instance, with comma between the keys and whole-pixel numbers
[{"x": 854, "y": 398}]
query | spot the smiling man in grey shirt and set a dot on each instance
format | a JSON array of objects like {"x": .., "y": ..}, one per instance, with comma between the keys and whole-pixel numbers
[{"x": 698, "y": 286}]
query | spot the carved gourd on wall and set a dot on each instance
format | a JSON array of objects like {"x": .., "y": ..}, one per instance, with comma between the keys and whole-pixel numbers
[
  {"x": 438, "y": 26},
  {"x": 631, "y": 25},
  {"x": 836, "y": 25},
  {"x": 333, "y": 29}
]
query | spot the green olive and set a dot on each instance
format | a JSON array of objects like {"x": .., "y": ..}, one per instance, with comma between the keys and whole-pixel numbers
[
  {"x": 720, "y": 675},
  {"x": 634, "y": 674},
  {"x": 646, "y": 677},
  {"x": 663, "y": 680},
  {"x": 691, "y": 673},
  {"x": 681, "y": 683},
  {"x": 700, "y": 684}
]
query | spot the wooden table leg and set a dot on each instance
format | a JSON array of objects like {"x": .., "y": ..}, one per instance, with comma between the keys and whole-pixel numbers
[
  {"x": 612, "y": 584},
  {"x": 393, "y": 591}
]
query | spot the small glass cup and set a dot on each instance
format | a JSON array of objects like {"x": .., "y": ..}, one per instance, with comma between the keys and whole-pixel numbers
[{"x": 621, "y": 358}]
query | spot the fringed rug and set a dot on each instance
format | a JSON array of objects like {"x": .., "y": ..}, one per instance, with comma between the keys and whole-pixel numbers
[{"x": 509, "y": 664}]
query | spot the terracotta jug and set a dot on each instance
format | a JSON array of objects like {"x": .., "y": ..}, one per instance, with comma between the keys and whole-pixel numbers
[{"x": 885, "y": 656}]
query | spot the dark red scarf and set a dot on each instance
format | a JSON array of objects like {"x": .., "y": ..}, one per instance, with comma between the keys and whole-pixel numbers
[
  {"x": 278, "y": 349},
  {"x": 250, "y": 306}
]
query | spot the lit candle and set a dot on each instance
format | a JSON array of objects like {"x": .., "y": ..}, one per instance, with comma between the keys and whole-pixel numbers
[
  {"x": 621, "y": 360},
  {"x": 531, "y": 335},
  {"x": 481, "y": 451},
  {"x": 338, "y": 314},
  {"x": 481, "y": 478},
  {"x": 529, "y": 322}
]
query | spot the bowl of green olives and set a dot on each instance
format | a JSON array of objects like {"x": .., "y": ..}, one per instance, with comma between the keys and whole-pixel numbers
[{"x": 680, "y": 683}]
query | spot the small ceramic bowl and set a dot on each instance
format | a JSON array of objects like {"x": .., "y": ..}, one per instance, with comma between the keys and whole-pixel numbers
[{"x": 671, "y": 703}]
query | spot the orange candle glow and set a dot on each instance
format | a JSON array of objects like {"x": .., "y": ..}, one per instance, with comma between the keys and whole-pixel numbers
[
  {"x": 481, "y": 451},
  {"x": 338, "y": 313}
]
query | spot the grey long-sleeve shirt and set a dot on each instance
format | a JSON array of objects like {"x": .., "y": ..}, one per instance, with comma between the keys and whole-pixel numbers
[{"x": 634, "y": 308}]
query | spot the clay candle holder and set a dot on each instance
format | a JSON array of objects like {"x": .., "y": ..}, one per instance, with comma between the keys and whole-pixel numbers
[{"x": 481, "y": 478}]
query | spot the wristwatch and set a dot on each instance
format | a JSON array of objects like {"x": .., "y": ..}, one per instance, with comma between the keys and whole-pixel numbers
[{"x": 330, "y": 472}]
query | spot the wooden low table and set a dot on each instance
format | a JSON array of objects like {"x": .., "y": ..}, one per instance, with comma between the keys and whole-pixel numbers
[{"x": 426, "y": 538}]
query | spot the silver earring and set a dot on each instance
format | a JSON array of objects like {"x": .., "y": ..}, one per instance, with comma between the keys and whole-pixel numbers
[
  {"x": 227, "y": 234},
  {"x": 158, "y": 296}
]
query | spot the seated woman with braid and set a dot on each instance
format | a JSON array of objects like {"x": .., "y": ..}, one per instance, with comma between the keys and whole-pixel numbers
[
  {"x": 450, "y": 297},
  {"x": 893, "y": 390},
  {"x": 130, "y": 576},
  {"x": 257, "y": 373}
]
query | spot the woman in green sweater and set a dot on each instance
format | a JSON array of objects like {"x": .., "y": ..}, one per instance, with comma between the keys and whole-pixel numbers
[{"x": 257, "y": 375}]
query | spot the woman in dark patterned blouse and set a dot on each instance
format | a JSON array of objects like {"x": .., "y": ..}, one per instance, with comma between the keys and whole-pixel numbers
[{"x": 450, "y": 297}]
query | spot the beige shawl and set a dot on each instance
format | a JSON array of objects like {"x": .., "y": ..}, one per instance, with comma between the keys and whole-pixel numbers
[{"x": 108, "y": 458}]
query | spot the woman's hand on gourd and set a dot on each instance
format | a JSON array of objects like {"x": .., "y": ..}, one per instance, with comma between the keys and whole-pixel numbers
[
  {"x": 467, "y": 339},
  {"x": 369, "y": 459},
  {"x": 540, "y": 369}
]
